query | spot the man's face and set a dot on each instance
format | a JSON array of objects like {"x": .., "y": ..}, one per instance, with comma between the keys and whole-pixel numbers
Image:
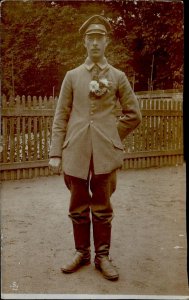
[{"x": 95, "y": 44}]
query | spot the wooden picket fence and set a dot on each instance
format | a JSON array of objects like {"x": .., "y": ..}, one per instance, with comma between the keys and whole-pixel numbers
[
  {"x": 158, "y": 141},
  {"x": 26, "y": 133}
]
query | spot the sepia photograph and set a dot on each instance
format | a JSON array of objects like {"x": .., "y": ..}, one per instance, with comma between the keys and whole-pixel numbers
[{"x": 92, "y": 161}]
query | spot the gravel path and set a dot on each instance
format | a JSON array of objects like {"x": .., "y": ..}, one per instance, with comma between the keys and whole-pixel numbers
[{"x": 148, "y": 238}]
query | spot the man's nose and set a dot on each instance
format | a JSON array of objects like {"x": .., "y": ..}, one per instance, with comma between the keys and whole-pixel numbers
[{"x": 95, "y": 41}]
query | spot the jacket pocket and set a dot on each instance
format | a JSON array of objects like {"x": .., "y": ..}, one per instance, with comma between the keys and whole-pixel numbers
[
  {"x": 65, "y": 144},
  {"x": 117, "y": 144}
]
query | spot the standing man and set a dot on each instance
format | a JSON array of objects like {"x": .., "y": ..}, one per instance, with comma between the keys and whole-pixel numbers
[{"x": 86, "y": 144}]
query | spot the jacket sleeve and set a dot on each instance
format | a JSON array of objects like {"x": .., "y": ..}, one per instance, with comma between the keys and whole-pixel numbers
[
  {"x": 131, "y": 116},
  {"x": 61, "y": 117}
]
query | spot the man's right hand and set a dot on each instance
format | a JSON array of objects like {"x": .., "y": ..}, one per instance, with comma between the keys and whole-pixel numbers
[{"x": 55, "y": 165}]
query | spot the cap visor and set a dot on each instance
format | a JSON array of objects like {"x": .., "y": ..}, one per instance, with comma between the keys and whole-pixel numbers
[{"x": 95, "y": 31}]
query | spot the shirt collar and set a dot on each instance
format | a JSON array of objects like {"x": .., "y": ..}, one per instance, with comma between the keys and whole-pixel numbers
[{"x": 89, "y": 64}]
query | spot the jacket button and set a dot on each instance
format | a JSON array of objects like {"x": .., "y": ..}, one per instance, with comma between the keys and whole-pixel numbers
[{"x": 91, "y": 121}]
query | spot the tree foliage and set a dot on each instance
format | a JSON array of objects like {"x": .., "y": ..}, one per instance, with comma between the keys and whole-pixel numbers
[
  {"x": 155, "y": 35},
  {"x": 41, "y": 42}
]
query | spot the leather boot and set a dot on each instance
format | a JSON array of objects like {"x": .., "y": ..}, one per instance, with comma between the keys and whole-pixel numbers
[
  {"x": 78, "y": 261},
  {"x": 102, "y": 238},
  {"x": 108, "y": 270},
  {"x": 82, "y": 244}
]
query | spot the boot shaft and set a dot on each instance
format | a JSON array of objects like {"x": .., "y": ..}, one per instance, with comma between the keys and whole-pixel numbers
[
  {"x": 102, "y": 238},
  {"x": 82, "y": 237}
]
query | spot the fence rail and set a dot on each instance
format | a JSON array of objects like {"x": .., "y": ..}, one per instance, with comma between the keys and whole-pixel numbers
[{"x": 26, "y": 125}]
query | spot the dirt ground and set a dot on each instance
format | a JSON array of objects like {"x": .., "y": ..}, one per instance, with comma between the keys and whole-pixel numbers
[{"x": 148, "y": 237}]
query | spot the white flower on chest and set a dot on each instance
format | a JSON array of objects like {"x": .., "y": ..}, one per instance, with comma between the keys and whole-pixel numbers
[{"x": 99, "y": 87}]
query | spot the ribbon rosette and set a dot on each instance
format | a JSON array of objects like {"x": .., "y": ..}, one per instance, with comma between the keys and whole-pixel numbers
[{"x": 99, "y": 87}]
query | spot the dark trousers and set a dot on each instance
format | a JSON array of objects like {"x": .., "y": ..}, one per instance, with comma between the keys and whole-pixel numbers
[{"x": 91, "y": 196}]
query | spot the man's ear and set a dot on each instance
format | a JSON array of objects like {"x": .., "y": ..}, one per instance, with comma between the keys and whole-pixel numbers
[
  {"x": 108, "y": 40},
  {"x": 84, "y": 42}
]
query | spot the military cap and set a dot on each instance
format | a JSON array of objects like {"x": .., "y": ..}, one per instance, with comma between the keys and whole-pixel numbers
[{"x": 95, "y": 24}]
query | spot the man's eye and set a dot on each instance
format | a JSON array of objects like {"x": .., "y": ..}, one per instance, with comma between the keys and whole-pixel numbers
[{"x": 90, "y": 38}]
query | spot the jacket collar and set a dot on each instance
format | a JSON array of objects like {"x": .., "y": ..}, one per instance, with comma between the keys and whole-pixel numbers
[{"x": 89, "y": 64}]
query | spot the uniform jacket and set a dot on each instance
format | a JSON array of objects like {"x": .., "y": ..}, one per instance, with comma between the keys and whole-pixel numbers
[{"x": 86, "y": 127}]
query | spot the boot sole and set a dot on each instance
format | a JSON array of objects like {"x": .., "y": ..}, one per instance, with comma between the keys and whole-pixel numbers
[
  {"x": 86, "y": 263},
  {"x": 112, "y": 278}
]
